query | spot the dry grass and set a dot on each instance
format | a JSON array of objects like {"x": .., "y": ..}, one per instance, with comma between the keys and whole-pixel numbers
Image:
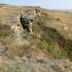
[{"x": 52, "y": 32}]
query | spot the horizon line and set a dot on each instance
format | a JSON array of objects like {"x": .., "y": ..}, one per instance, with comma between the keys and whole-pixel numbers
[{"x": 35, "y": 6}]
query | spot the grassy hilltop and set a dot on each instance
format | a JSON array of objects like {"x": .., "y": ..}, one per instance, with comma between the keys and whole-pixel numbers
[{"x": 52, "y": 38}]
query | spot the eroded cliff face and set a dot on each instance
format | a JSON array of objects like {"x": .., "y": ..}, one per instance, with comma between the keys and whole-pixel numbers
[{"x": 51, "y": 40}]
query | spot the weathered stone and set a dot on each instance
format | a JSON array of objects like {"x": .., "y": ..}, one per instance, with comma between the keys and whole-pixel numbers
[{"x": 3, "y": 50}]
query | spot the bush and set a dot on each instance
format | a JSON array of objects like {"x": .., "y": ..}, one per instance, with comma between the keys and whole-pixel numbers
[
  {"x": 4, "y": 31},
  {"x": 43, "y": 45}
]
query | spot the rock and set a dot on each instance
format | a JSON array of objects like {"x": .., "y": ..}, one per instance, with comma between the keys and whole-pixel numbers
[
  {"x": 3, "y": 50},
  {"x": 65, "y": 28}
]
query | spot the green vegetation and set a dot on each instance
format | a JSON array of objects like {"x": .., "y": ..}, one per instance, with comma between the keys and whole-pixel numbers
[
  {"x": 53, "y": 49},
  {"x": 15, "y": 50},
  {"x": 51, "y": 39},
  {"x": 5, "y": 31},
  {"x": 43, "y": 45},
  {"x": 49, "y": 33},
  {"x": 6, "y": 34}
]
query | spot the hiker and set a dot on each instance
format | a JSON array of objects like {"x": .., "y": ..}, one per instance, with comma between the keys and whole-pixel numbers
[
  {"x": 26, "y": 23},
  {"x": 27, "y": 20}
]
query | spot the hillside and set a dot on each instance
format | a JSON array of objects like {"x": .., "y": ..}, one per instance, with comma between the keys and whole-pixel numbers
[{"x": 51, "y": 40}]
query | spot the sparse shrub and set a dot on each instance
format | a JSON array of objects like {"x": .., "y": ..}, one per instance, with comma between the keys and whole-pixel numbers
[
  {"x": 43, "y": 45},
  {"x": 5, "y": 31},
  {"x": 50, "y": 43},
  {"x": 55, "y": 52},
  {"x": 15, "y": 50}
]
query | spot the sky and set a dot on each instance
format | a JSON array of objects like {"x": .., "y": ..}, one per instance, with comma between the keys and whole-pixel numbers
[{"x": 49, "y": 4}]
